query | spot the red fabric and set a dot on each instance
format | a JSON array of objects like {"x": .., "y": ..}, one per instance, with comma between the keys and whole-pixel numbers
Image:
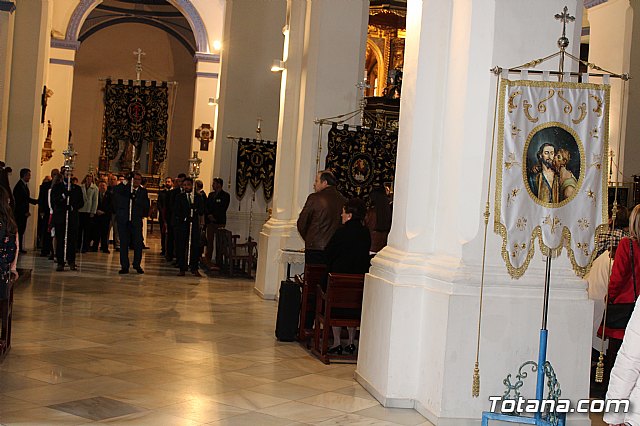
[{"x": 621, "y": 282}]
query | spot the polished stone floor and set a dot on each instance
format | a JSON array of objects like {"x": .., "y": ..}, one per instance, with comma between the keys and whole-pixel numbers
[{"x": 93, "y": 346}]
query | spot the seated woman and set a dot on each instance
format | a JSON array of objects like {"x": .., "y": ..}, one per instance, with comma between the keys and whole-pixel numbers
[{"x": 348, "y": 253}]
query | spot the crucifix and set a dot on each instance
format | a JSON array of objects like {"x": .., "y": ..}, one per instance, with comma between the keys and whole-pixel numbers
[
  {"x": 139, "y": 53},
  {"x": 563, "y": 42}
]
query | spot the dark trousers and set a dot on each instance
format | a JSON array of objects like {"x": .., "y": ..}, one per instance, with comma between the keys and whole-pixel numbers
[
  {"x": 21, "y": 221},
  {"x": 47, "y": 241},
  {"x": 170, "y": 242},
  {"x": 182, "y": 249},
  {"x": 130, "y": 233},
  {"x": 610, "y": 359},
  {"x": 101, "y": 225},
  {"x": 212, "y": 228},
  {"x": 72, "y": 236},
  {"x": 163, "y": 234},
  {"x": 86, "y": 230}
]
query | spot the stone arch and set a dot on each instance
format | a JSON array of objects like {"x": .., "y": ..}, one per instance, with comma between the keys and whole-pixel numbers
[
  {"x": 382, "y": 72},
  {"x": 84, "y": 8}
]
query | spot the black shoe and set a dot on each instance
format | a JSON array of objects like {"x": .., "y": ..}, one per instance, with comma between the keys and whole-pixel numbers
[
  {"x": 196, "y": 274},
  {"x": 123, "y": 271},
  {"x": 73, "y": 267},
  {"x": 84, "y": 251},
  {"x": 60, "y": 268},
  {"x": 139, "y": 270},
  {"x": 350, "y": 350},
  {"x": 336, "y": 350},
  {"x": 106, "y": 251}
]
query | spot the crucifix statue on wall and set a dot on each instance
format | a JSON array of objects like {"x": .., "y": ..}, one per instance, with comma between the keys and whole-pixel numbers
[{"x": 204, "y": 134}]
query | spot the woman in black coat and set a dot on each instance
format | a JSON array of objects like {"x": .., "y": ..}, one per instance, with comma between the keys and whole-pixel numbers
[{"x": 348, "y": 253}]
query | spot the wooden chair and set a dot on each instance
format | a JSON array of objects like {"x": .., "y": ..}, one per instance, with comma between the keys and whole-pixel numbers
[
  {"x": 234, "y": 255},
  {"x": 313, "y": 276},
  {"x": 6, "y": 314},
  {"x": 339, "y": 305}
]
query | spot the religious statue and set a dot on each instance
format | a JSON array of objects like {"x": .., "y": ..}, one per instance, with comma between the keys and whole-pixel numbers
[{"x": 47, "y": 151}]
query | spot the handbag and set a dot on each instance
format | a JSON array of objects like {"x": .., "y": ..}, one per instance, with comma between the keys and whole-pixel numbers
[{"x": 619, "y": 314}]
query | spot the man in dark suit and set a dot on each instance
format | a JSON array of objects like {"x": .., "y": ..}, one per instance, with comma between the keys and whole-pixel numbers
[
  {"x": 217, "y": 205},
  {"x": 170, "y": 246},
  {"x": 103, "y": 218},
  {"x": 188, "y": 217},
  {"x": 131, "y": 204},
  {"x": 44, "y": 213},
  {"x": 22, "y": 198},
  {"x": 163, "y": 198},
  {"x": 65, "y": 198}
]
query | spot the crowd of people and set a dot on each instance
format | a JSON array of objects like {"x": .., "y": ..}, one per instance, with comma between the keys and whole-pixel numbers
[{"x": 81, "y": 216}]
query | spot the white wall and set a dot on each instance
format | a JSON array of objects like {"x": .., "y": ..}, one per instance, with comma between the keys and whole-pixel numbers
[{"x": 248, "y": 90}]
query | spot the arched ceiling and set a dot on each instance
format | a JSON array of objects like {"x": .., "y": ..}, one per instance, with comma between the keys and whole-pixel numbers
[{"x": 157, "y": 13}]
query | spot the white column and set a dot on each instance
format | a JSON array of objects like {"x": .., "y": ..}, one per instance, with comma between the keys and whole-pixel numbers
[
  {"x": 7, "y": 19},
  {"x": 324, "y": 57},
  {"x": 60, "y": 81},
  {"x": 207, "y": 74},
  {"x": 25, "y": 133},
  {"x": 611, "y": 43},
  {"x": 418, "y": 333}
]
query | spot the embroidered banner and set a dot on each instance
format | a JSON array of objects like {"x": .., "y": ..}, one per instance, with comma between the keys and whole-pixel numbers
[
  {"x": 361, "y": 159},
  {"x": 551, "y": 174},
  {"x": 256, "y": 165},
  {"x": 136, "y": 114}
]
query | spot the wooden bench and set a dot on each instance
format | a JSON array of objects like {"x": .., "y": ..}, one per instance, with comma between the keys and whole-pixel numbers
[
  {"x": 339, "y": 305},
  {"x": 313, "y": 276}
]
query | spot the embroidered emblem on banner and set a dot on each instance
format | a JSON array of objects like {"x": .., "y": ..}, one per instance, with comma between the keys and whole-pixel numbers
[{"x": 550, "y": 185}]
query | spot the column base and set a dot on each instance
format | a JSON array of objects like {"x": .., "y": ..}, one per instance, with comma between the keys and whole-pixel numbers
[
  {"x": 275, "y": 235},
  {"x": 418, "y": 335}
]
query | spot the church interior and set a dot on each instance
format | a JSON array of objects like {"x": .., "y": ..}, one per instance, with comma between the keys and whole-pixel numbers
[{"x": 261, "y": 93}]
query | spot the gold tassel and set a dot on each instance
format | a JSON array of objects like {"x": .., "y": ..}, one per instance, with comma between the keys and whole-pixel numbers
[
  {"x": 600, "y": 369},
  {"x": 475, "y": 390}
]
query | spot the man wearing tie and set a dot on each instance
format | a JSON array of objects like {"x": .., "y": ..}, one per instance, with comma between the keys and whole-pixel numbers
[
  {"x": 131, "y": 204},
  {"x": 23, "y": 198},
  {"x": 188, "y": 220}
]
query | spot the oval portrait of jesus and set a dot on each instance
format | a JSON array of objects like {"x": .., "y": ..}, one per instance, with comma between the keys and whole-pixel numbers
[{"x": 553, "y": 161}]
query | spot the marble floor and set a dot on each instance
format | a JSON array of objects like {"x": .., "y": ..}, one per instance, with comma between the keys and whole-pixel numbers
[{"x": 93, "y": 346}]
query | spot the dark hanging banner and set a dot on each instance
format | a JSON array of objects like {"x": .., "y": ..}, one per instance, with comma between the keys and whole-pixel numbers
[
  {"x": 136, "y": 114},
  {"x": 361, "y": 159},
  {"x": 256, "y": 165}
]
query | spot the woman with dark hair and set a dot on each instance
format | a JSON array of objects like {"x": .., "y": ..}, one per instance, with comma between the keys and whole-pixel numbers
[
  {"x": 378, "y": 219},
  {"x": 348, "y": 253},
  {"x": 8, "y": 243}
]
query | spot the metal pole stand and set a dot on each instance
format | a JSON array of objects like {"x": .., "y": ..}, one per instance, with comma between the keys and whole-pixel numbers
[{"x": 544, "y": 416}]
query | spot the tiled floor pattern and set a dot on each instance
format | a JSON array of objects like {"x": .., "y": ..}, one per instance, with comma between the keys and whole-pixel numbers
[{"x": 96, "y": 347}]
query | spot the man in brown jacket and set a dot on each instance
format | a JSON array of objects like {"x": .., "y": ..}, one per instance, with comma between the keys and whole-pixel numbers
[{"x": 320, "y": 217}]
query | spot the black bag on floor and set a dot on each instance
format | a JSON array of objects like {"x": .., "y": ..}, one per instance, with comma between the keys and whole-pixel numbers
[{"x": 288, "y": 311}]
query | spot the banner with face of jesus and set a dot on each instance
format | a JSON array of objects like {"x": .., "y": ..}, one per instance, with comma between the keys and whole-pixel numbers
[{"x": 551, "y": 176}]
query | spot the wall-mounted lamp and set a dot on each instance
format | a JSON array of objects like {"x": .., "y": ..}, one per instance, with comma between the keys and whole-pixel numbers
[
  {"x": 277, "y": 65},
  {"x": 212, "y": 101},
  {"x": 217, "y": 45}
]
